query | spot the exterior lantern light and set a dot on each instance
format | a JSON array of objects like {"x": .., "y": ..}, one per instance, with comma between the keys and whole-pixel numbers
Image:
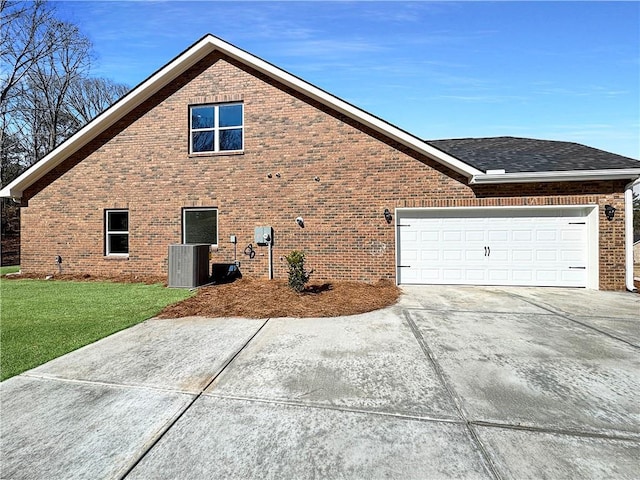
[
  {"x": 609, "y": 211},
  {"x": 387, "y": 215}
]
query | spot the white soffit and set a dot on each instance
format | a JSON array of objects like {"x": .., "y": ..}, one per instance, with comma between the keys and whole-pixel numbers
[{"x": 555, "y": 176}]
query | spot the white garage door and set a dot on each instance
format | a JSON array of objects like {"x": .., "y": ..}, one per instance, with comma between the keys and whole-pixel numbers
[{"x": 531, "y": 247}]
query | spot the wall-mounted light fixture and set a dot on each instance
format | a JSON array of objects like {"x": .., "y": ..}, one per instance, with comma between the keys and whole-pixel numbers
[
  {"x": 300, "y": 222},
  {"x": 609, "y": 211},
  {"x": 387, "y": 215}
]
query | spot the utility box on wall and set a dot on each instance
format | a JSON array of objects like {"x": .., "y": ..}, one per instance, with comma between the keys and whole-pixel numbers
[
  {"x": 188, "y": 265},
  {"x": 263, "y": 235}
]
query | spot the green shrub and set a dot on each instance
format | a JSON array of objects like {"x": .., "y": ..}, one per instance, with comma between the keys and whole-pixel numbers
[{"x": 298, "y": 276}]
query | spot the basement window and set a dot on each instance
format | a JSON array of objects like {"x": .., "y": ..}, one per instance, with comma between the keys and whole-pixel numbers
[
  {"x": 200, "y": 225},
  {"x": 116, "y": 232},
  {"x": 216, "y": 128}
]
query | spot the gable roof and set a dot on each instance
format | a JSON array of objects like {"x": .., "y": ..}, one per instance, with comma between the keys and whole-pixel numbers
[
  {"x": 198, "y": 51},
  {"x": 514, "y": 154},
  {"x": 209, "y": 44}
]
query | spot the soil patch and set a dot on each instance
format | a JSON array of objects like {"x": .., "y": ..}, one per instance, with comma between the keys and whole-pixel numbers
[{"x": 256, "y": 298}]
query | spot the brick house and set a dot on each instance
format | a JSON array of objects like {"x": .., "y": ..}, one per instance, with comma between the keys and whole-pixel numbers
[{"x": 219, "y": 142}]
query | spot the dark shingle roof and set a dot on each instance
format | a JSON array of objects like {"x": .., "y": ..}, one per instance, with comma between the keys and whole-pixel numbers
[{"x": 530, "y": 155}]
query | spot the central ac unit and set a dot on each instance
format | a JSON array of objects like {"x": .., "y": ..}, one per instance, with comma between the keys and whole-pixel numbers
[{"x": 188, "y": 265}]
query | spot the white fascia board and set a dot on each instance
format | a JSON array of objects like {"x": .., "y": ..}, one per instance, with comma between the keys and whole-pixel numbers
[
  {"x": 107, "y": 118},
  {"x": 557, "y": 176},
  {"x": 183, "y": 62}
]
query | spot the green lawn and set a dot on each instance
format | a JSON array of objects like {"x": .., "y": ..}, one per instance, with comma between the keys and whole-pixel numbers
[
  {"x": 5, "y": 270},
  {"x": 41, "y": 320}
]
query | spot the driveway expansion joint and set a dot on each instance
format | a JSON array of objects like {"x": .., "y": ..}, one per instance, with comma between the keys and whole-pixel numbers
[
  {"x": 632, "y": 437},
  {"x": 195, "y": 398},
  {"x": 106, "y": 384},
  {"x": 489, "y": 463},
  {"x": 567, "y": 317},
  {"x": 457, "y": 310},
  {"x": 320, "y": 406}
]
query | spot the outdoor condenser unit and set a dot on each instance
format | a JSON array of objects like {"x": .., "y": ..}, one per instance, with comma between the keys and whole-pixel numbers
[{"x": 188, "y": 265}]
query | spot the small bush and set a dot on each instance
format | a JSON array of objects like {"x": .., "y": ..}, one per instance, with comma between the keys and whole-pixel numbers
[{"x": 298, "y": 276}]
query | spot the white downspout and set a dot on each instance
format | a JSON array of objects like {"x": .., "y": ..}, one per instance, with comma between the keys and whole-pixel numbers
[{"x": 628, "y": 235}]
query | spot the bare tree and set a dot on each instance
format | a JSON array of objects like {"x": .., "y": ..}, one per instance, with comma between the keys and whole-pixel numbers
[
  {"x": 89, "y": 97},
  {"x": 51, "y": 78},
  {"x": 46, "y": 93},
  {"x": 26, "y": 37}
]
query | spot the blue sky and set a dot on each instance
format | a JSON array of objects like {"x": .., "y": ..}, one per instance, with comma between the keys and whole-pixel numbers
[{"x": 553, "y": 70}]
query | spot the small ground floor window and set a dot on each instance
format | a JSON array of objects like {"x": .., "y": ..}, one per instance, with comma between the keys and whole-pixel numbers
[
  {"x": 200, "y": 225},
  {"x": 116, "y": 228}
]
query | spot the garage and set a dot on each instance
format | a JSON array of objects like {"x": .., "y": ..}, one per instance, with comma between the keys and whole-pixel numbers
[{"x": 525, "y": 246}]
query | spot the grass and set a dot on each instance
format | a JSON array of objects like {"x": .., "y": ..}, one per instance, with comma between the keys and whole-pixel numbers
[
  {"x": 41, "y": 320},
  {"x": 5, "y": 270}
]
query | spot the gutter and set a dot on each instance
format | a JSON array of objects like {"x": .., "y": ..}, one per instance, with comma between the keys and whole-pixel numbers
[
  {"x": 628, "y": 234},
  {"x": 492, "y": 177}
]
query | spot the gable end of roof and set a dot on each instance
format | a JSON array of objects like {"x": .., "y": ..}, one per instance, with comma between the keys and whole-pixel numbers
[{"x": 188, "y": 58}]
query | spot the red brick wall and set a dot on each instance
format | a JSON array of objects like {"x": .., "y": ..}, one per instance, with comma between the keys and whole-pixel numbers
[{"x": 142, "y": 163}]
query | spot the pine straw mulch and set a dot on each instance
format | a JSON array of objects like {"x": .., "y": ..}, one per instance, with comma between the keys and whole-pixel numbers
[
  {"x": 260, "y": 298},
  {"x": 256, "y": 298}
]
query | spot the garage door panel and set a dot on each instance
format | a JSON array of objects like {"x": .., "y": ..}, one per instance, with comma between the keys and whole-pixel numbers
[
  {"x": 475, "y": 255},
  {"x": 452, "y": 236},
  {"x": 546, "y": 235},
  {"x": 521, "y": 235},
  {"x": 475, "y": 276},
  {"x": 430, "y": 255},
  {"x": 453, "y": 275},
  {"x": 474, "y": 236},
  {"x": 491, "y": 247},
  {"x": 452, "y": 255},
  {"x": 575, "y": 277},
  {"x": 499, "y": 255},
  {"x": 498, "y": 236},
  {"x": 522, "y": 276},
  {"x": 429, "y": 274},
  {"x": 546, "y": 255},
  {"x": 575, "y": 256},
  {"x": 522, "y": 255},
  {"x": 426, "y": 236},
  {"x": 410, "y": 255},
  {"x": 571, "y": 235}
]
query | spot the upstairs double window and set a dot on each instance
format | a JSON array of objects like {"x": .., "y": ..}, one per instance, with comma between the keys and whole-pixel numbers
[{"x": 216, "y": 128}]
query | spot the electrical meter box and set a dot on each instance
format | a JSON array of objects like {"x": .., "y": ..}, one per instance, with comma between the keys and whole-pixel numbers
[{"x": 264, "y": 235}]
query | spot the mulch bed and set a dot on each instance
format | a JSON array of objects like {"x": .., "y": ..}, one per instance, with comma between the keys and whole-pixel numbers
[
  {"x": 260, "y": 298},
  {"x": 256, "y": 298}
]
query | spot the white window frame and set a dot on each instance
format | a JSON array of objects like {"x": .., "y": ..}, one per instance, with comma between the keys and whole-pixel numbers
[
  {"x": 108, "y": 233},
  {"x": 216, "y": 129},
  {"x": 198, "y": 209}
]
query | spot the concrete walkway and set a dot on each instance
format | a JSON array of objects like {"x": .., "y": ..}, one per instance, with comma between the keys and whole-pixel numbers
[{"x": 453, "y": 382}]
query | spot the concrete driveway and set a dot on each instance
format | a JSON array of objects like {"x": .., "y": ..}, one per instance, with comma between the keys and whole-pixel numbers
[{"x": 452, "y": 382}]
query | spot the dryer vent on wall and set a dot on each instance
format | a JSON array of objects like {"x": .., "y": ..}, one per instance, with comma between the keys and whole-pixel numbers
[{"x": 188, "y": 265}]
